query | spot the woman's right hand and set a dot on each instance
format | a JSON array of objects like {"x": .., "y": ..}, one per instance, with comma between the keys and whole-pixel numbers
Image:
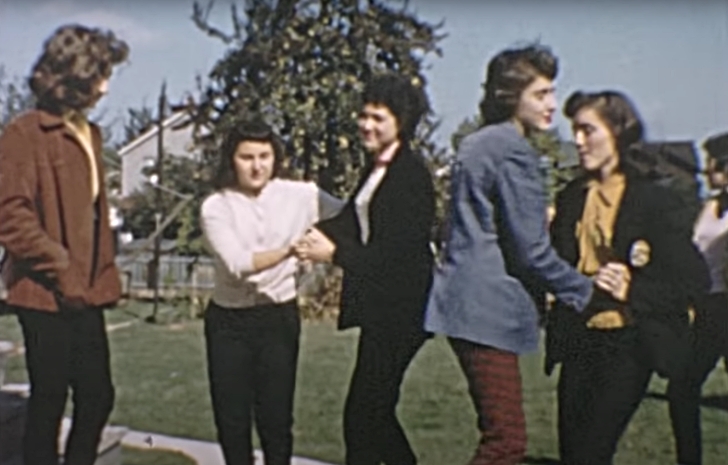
[{"x": 615, "y": 279}]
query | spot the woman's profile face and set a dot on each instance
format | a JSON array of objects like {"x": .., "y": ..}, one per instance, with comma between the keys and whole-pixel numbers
[
  {"x": 537, "y": 104},
  {"x": 594, "y": 141}
]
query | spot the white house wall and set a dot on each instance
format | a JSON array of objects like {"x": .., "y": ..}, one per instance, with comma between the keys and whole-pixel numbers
[{"x": 176, "y": 143}]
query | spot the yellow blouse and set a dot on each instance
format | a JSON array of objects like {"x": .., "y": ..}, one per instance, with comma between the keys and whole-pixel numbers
[
  {"x": 595, "y": 230},
  {"x": 80, "y": 127}
]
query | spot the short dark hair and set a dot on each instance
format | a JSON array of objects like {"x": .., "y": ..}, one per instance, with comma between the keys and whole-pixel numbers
[
  {"x": 403, "y": 96},
  {"x": 74, "y": 60},
  {"x": 508, "y": 75},
  {"x": 716, "y": 147},
  {"x": 247, "y": 131},
  {"x": 616, "y": 110}
]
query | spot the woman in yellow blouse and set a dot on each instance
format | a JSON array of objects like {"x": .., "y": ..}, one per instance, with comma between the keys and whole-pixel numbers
[{"x": 609, "y": 352}]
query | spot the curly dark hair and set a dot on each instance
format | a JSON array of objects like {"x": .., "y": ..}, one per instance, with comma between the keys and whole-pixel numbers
[
  {"x": 616, "y": 110},
  {"x": 75, "y": 59},
  {"x": 403, "y": 96},
  {"x": 508, "y": 75},
  {"x": 255, "y": 130}
]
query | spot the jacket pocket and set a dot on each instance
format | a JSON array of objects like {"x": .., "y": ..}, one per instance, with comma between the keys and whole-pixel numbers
[{"x": 70, "y": 286}]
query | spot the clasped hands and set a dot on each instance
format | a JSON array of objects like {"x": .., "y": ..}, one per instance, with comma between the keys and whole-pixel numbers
[
  {"x": 314, "y": 246},
  {"x": 615, "y": 279}
]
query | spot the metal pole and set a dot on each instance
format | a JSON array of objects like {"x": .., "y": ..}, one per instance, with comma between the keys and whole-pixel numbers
[{"x": 158, "y": 198}]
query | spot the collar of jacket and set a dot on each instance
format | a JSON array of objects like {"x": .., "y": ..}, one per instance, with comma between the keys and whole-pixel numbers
[{"x": 50, "y": 120}]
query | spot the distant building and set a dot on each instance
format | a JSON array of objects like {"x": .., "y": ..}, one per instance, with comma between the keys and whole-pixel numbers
[{"x": 142, "y": 151}]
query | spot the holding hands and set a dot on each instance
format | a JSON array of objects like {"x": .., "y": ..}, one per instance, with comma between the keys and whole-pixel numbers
[
  {"x": 613, "y": 278},
  {"x": 314, "y": 246}
]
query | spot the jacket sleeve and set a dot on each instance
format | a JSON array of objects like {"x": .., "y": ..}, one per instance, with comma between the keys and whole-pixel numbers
[
  {"x": 413, "y": 212},
  {"x": 21, "y": 231},
  {"x": 677, "y": 273},
  {"x": 328, "y": 205},
  {"x": 522, "y": 208}
]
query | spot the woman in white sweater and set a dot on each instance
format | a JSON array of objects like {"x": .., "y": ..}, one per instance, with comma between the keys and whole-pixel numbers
[{"x": 252, "y": 324}]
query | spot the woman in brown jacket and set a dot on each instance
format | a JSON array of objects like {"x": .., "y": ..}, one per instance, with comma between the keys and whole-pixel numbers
[{"x": 54, "y": 225}]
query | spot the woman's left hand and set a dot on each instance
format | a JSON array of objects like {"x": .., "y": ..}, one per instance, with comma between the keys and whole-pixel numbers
[{"x": 315, "y": 246}]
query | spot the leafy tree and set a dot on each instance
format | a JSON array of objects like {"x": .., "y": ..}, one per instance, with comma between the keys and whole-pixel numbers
[
  {"x": 300, "y": 65},
  {"x": 15, "y": 97},
  {"x": 137, "y": 121}
]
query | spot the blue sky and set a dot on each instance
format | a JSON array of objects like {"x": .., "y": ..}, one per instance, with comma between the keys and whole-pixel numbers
[{"x": 670, "y": 56}]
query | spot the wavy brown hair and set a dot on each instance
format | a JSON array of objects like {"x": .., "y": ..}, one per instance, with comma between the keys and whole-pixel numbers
[
  {"x": 508, "y": 75},
  {"x": 616, "y": 110},
  {"x": 75, "y": 59}
]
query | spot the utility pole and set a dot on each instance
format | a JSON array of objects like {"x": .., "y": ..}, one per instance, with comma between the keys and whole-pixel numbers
[{"x": 159, "y": 214}]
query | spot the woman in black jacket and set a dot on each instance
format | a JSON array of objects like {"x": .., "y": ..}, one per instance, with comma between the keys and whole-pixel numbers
[
  {"x": 381, "y": 240},
  {"x": 612, "y": 213}
]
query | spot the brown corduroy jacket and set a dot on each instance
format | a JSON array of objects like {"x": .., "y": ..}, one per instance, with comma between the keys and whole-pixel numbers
[{"x": 59, "y": 242}]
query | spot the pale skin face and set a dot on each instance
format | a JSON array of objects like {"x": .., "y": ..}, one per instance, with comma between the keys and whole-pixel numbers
[
  {"x": 536, "y": 106},
  {"x": 378, "y": 128},
  {"x": 595, "y": 143},
  {"x": 253, "y": 163}
]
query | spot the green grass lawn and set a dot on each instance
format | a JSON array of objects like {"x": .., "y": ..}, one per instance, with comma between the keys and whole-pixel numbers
[{"x": 159, "y": 372}]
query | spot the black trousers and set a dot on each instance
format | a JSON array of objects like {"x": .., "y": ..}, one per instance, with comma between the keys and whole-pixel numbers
[
  {"x": 66, "y": 349},
  {"x": 599, "y": 390},
  {"x": 251, "y": 356},
  {"x": 709, "y": 343},
  {"x": 372, "y": 432}
]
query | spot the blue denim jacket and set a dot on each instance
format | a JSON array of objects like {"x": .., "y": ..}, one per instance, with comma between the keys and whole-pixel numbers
[{"x": 498, "y": 253}]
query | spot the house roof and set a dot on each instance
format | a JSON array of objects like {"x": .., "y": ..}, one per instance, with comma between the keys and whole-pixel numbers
[{"x": 175, "y": 118}]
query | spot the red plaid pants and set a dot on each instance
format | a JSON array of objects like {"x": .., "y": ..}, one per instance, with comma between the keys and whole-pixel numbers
[{"x": 494, "y": 382}]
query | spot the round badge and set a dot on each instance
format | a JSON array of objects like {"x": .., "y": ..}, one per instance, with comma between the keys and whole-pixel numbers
[{"x": 639, "y": 254}]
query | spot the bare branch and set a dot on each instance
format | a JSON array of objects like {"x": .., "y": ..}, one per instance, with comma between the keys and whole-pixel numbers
[{"x": 200, "y": 17}]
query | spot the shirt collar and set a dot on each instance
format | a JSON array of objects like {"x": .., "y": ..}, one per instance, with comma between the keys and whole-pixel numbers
[{"x": 386, "y": 157}]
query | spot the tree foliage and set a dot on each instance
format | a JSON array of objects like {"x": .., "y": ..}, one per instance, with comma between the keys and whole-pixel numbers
[
  {"x": 300, "y": 65},
  {"x": 137, "y": 121},
  {"x": 15, "y": 97}
]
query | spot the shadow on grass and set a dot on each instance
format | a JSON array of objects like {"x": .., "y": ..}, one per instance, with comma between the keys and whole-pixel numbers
[{"x": 719, "y": 402}]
